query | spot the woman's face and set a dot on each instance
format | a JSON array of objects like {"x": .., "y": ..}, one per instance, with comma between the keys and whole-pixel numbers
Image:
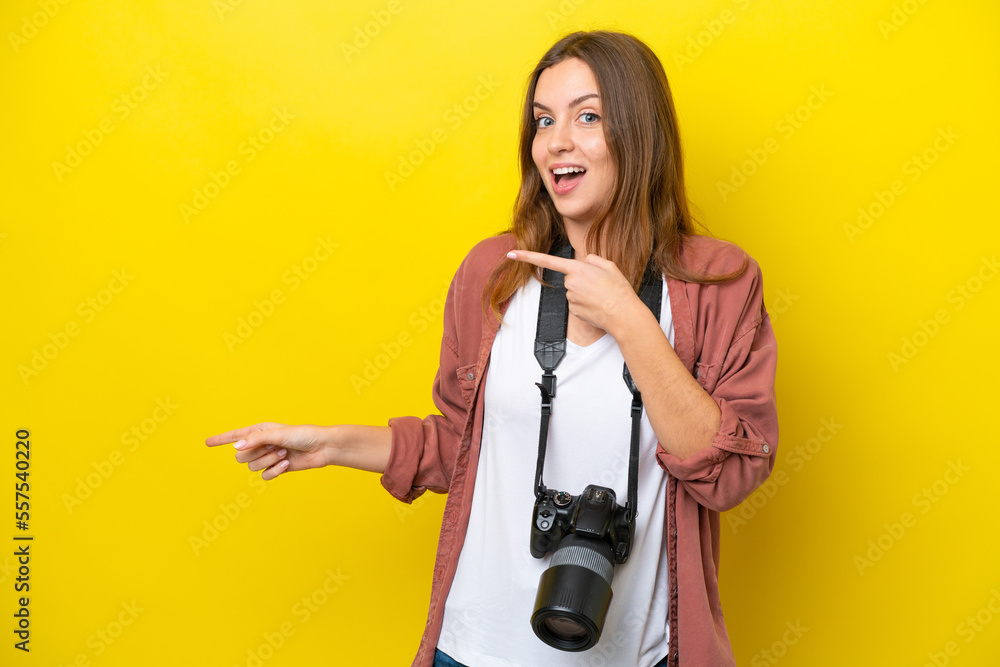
[{"x": 570, "y": 133}]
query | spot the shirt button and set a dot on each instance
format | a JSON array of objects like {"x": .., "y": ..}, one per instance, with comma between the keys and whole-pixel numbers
[
  {"x": 472, "y": 376},
  {"x": 767, "y": 450}
]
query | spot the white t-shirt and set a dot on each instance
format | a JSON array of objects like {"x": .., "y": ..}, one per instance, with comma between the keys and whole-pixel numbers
[{"x": 487, "y": 618}]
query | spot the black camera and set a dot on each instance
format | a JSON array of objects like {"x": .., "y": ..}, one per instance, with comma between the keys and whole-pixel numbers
[{"x": 588, "y": 534}]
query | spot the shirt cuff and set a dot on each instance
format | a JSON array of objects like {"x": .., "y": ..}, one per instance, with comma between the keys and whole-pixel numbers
[
  {"x": 404, "y": 458},
  {"x": 706, "y": 465}
]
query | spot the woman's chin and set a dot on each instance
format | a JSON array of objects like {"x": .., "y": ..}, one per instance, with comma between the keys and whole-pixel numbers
[{"x": 573, "y": 215}]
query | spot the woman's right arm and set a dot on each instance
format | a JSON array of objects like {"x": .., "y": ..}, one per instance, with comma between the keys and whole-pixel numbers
[
  {"x": 276, "y": 448},
  {"x": 413, "y": 454}
]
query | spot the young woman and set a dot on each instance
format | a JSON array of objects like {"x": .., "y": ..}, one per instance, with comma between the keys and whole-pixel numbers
[{"x": 602, "y": 171}]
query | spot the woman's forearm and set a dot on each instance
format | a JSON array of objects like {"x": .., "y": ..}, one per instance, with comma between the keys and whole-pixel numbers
[
  {"x": 683, "y": 415},
  {"x": 359, "y": 446}
]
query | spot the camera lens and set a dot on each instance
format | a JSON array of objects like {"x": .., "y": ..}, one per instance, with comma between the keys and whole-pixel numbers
[
  {"x": 562, "y": 626},
  {"x": 574, "y": 594}
]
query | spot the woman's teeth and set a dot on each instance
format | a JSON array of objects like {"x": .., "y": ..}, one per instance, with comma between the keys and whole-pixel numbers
[{"x": 570, "y": 172}]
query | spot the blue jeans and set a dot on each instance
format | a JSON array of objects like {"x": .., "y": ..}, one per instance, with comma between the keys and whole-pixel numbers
[{"x": 442, "y": 659}]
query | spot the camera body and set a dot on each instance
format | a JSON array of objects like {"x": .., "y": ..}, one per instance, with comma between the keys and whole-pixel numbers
[
  {"x": 588, "y": 535},
  {"x": 595, "y": 514}
]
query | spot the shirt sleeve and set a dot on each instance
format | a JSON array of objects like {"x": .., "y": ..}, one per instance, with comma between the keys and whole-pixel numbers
[
  {"x": 740, "y": 377},
  {"x": 424, "y": 451}
]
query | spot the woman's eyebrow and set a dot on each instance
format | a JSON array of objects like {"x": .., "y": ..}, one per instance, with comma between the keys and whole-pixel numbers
[{"x": 570, "y": 105}]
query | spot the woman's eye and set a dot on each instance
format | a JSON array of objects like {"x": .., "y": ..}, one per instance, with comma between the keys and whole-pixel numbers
[{"x": 589, "y": 118}]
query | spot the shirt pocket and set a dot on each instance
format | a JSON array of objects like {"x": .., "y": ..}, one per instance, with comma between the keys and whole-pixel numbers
[
  {"x": 467, "y": 382},
  {"x": 707, "y": 375}
]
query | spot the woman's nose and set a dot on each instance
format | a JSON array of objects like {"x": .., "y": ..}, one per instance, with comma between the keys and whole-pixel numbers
[{"x": 561, "y": 138}]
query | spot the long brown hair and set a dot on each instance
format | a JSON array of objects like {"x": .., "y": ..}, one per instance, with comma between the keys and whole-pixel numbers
[{"x": 648, "y": 211}]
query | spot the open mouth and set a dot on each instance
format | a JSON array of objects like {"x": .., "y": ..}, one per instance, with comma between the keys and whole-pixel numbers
[
  {"x": 566, "y": 179},
  {"x": 564, "y": 182}
]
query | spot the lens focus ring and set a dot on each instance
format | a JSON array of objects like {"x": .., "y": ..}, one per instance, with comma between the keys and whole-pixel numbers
[{"x": 584, "y": 556}]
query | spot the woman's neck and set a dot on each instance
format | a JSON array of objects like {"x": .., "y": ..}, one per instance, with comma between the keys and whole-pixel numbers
[{"x": 577, "y": 234}]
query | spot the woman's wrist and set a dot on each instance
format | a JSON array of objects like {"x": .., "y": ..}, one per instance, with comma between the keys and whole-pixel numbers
[
  {"x": 630, "y": 316},
  {"x": 359, "y": 446}
]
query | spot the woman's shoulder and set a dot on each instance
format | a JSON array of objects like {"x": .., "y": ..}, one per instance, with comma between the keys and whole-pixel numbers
[
  {"x": 739, "y": 300},
  {"x": 491, "y": 248},
  {"x": 707, "y": 254},
  {"x": 480, "y": 261}
]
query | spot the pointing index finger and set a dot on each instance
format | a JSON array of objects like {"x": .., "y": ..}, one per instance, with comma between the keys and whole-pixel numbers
[
  {"x": 560, "y": 264},
  {"x": 221, "y": 439},
  {"x": 230, "y": 436}
]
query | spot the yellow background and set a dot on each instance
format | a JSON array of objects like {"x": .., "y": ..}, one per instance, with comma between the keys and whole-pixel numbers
[{"x": 892, "y": 78}]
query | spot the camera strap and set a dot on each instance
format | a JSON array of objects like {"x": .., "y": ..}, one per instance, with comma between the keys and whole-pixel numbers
[{"x": 550, "y": 348}]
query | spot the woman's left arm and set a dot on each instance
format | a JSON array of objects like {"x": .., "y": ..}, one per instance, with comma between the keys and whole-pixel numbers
[
  {"x": 735, "y": 371},
  {"x": 718, "y": 433},
  {"x": 732, "y": 452},
  {"x": 684, "y": 417}
]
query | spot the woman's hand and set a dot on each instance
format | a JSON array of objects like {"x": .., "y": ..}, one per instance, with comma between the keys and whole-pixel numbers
[
  {"x": 276, "y": 448},
  {"x": 596, "y": 291},
  {"x": 683, "y": 415}
]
